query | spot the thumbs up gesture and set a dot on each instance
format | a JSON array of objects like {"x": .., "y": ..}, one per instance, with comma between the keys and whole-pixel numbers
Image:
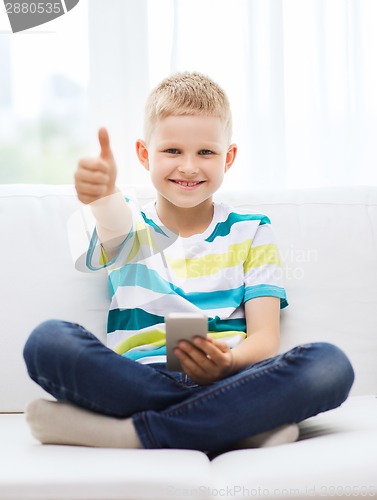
[{"x": 95, "y": 177}]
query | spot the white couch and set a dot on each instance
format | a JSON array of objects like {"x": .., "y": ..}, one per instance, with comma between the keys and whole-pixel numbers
[{"x": 328, "y": 243}]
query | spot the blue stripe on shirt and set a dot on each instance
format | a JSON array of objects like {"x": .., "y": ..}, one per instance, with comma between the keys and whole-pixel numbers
[
  {"x": 224, "y": 228},
  {"x": 252, "y": 292}
]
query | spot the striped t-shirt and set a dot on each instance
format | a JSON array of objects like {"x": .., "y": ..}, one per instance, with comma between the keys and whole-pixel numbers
[{"x": 156, "y": 272}]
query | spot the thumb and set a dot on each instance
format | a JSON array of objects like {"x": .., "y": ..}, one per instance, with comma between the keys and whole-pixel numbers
[{"x": 104, "y": 141}]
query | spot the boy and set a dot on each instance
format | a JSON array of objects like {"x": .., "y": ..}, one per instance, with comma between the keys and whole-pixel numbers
[{"x": 183, "y": 253}]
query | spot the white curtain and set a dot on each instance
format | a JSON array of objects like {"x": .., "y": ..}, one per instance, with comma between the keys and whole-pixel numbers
[{"x": 301, "y": 76}]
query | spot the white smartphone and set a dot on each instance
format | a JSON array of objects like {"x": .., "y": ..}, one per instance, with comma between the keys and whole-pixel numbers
[{"x": 182, "y": 326}]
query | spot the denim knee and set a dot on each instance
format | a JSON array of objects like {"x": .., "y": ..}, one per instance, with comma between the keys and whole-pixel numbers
[
  {"x": 41, "y": 341},
  {"x": 333, "y": 370},
  {"x": 342, "y": 367}
]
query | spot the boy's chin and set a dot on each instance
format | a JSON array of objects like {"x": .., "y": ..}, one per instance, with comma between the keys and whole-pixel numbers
[{"x": 194, "y": 202}]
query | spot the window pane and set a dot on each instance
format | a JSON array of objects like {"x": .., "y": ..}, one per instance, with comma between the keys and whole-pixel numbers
[{"x": 44, "y": 74}]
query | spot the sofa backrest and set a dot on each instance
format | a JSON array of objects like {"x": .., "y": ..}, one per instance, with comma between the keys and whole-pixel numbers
[{"x": 327, "y": 240}]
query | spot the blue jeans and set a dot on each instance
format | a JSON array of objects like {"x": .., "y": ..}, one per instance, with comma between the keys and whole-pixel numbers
[{"x": 171, "y": 411}]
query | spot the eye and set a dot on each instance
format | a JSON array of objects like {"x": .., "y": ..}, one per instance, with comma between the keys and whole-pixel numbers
[
  {"x": 206, "y": 152},
  {"x": 172, "y": 151}
]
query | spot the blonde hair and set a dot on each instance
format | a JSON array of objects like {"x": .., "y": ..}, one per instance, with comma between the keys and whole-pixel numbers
[{"x": 186, "y": 93}]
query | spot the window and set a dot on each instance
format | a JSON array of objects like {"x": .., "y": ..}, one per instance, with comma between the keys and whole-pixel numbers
[{"x": 44, "y": 76}]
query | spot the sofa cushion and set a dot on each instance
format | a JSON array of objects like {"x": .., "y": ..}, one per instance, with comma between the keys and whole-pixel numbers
[
  {"x": 336, "y": 453},
  {"x": 46, "y": 472},
  {"x": 336, "y": 456}
]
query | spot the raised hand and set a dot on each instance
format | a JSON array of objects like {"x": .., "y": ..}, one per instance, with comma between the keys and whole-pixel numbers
[{"x": 95, "y": 177}]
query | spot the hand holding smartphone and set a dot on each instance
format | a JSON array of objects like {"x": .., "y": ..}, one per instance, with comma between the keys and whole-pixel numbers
[{"x": 182, "y": 326}]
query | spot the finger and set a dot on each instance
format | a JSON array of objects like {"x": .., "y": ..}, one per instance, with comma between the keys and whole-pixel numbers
[
  {"x": 218, "y": 352},
  {"x": 189, "y": 363},
  {"x": 210, "y": 349},
  {"x": 90, "y": 189},
  {"x": 93, "y": 165},
  {"x": 198, "y": 356},
  {"x": 91, "y": 177},
  {"x": 104, "y": 141}
]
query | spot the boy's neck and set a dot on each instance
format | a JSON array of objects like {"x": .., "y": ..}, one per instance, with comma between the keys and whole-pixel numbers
[{"x": 186, "y": 221}]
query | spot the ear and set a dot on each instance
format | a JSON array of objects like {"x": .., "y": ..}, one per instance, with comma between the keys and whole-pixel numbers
[
  {"x": 230, "y": 156},
  {"x": 142, "y": 153}
]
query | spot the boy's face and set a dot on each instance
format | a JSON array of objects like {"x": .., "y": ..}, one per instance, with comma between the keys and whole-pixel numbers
[{"x": 187, "y": 157}]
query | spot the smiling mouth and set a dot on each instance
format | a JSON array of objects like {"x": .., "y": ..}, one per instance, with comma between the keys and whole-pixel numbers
[{"x": 187, "y": 183}]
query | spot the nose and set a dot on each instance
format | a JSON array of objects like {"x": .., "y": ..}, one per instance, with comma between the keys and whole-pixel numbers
[{"x": 187, "y": 167}]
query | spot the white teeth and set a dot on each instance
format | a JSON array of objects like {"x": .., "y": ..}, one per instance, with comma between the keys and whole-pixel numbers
[{"x": 187, "y": 184}]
